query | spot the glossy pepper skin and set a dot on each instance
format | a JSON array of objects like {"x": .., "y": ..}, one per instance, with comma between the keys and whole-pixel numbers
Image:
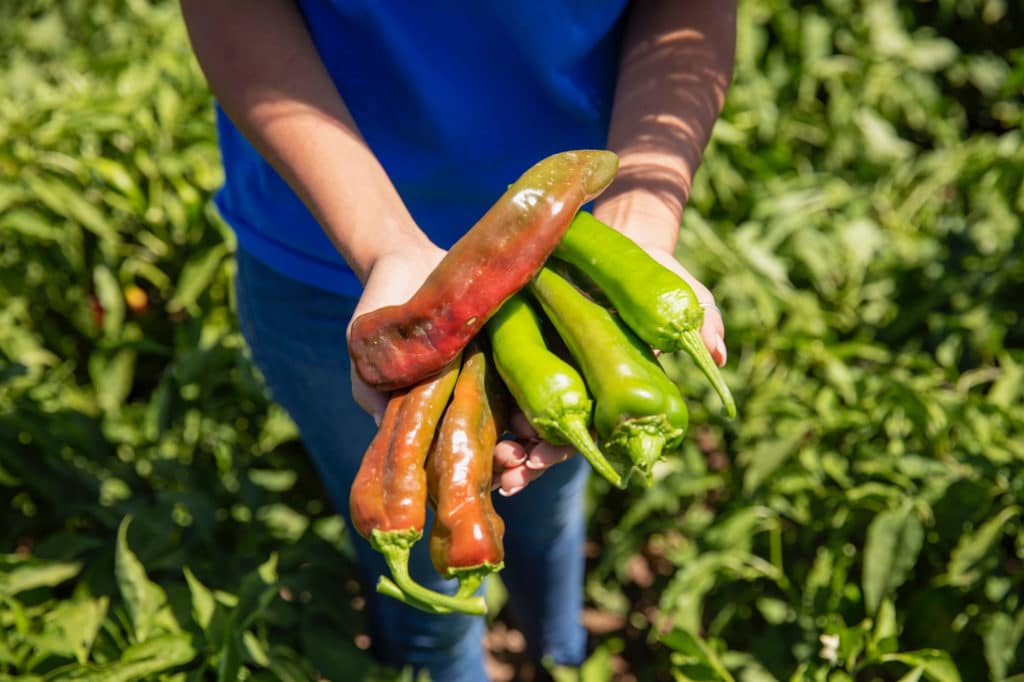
[
  {"x": 398, "y": 345},
  {"x": 550, "y": 392},
  {"x": 656, "y": 303},
  {"x": 389, "y": 494},
  {"x": 466, "y": 538},
  {"x": 639, "y": 412}
]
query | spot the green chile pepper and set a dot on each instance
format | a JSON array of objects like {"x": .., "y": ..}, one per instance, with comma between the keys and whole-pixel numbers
[
  {"x": 548, "y": 390},
  {"x": 639, "y": 412},
  {"x": 657, "y": 304}
]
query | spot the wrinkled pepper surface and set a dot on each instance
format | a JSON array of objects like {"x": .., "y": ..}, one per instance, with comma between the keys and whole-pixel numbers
[
  {"x": 389, "y": 494},
  {"x": 398, "y": 345},
  {"x": 466, "y": 538}
]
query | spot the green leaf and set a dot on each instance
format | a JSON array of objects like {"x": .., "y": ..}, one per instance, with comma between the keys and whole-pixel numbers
[
  {"x": 30, "y": 223},
  {"x": 112, "y": 376},
  {"x": 283, "y": 522},
  {"x": 79, "y": 622},
  {"x": 108, "y": 291},
  {"x": 975, "y": 548},
  {"x": 893, "y": 543},
  {"x": 769, "y": 454},
  {"x": 882, "y": 143},
  {"x": 229, "y": 659},
  {"x": 258, "y": 589},
  {"x": 932, "y": 55},
  {"x": 146, "y": 601},
  {"x": 335, "y": 659},
  {"x": 138, "y": 662},
  {"x": 255, "y": 649},
  {"x": 66, "y": 201},
  {"x": 196, "y": 277},
  {"x": 694, "y": 659},
  {"x": 274, "y": 480},
  {"x": 1007, "y": 388},
  {"x": 1001, "y": 637},
  {"x": 19, "y": 575},
  {"x": 936, "y": 665},
  {"x": 598, "y": 667},
  {"x": 203, "y": 603}
]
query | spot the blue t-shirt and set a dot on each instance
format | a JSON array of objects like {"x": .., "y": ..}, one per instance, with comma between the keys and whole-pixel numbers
[{"x": 456, "y": 99}]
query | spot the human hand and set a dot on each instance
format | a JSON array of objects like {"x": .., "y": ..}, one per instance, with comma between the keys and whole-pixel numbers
[
  {"x": 523, "y": 459},
  {"x": 393, "y": 279},
  {"x": 713, "y": 329}
]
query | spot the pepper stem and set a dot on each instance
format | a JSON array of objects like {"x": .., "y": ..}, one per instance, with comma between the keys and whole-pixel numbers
[
  {"x": 645, "y": 448},
  {"x": 573, "y": 428},
  {"x": 470, "y": 579},
  {"x": 693, "y": 344},
  {"x": 395, "y": 545}
]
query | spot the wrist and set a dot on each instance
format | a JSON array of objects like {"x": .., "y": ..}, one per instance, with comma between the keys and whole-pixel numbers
[
  {"x": 643, "y": 215},
  {"x": 378, "y": 242}
]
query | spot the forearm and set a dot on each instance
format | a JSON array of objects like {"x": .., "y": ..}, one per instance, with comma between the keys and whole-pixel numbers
[
  {"x": 263, "y": 68},
  {"x": 675, "y": 68}
]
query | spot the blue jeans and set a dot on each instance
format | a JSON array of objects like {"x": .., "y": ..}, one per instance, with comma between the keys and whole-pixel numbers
[{"x": 296, "y": 334}]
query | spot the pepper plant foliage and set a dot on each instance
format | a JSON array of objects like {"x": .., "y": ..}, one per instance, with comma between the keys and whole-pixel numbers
[{"x": 858, "y": 215}]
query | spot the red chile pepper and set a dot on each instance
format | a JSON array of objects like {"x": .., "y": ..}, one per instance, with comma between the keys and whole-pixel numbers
[
  {"x": 399, "y": 345},
  {"x": 389, "y": 494},
  {"x": 466, "y": 539}
]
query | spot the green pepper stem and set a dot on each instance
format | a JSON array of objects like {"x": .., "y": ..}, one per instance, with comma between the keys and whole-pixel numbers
[
  {"x": 470, "y": 579},
  {"x": 693, "y": 344},
  {"x": 395, "y": 545},
  {"x": 573, "y": 428},
  {"x": 645, "y": 448}
]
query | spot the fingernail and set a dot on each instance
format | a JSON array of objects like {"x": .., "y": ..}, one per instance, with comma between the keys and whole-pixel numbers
[
  {"x": 509, "y": 493},
  {"x": 720, "y": 349},
  {"x": 377, "y": 416}
]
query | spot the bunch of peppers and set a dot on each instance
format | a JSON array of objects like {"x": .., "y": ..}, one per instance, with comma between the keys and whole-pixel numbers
[{"x": 503, "y": 322}]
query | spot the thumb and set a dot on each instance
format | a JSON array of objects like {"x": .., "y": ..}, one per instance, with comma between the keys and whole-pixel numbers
[{"x": 370, "y": 399}]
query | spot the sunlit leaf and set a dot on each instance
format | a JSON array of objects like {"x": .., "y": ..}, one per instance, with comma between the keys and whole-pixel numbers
[{"x": 894, "y": 541}]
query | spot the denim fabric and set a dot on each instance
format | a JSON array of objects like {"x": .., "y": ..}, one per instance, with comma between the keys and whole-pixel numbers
[{"x": 296, "y": 334}]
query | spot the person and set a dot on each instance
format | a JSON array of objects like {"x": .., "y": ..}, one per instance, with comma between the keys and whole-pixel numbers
[{"x": 360, "y": 139}]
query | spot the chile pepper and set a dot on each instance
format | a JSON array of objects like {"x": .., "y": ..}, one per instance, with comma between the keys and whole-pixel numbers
[
  {"x": 466, "y": 538},
  {"x": 389, "y": 494},
  {"x": 549, "y": 391},
  {"x": 657, "y": 304},
  {"x": 639, "y": 412},
  {"x": 398, "y": 345}
]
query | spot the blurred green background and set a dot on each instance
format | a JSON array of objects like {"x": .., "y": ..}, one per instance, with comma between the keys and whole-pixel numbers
[{"x": 859, "y": 217}]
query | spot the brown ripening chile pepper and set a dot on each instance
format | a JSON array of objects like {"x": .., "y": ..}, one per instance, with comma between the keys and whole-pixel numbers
[
  {"x": 466, "y": 539},
  {"x": 389, "y": 494},
  {"x": 398, "y": 345}
]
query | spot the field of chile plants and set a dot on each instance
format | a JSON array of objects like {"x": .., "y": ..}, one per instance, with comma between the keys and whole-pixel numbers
[{"x": 859, "y": 216}]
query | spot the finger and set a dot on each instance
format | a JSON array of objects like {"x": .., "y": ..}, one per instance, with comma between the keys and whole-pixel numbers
[
  {"x": 508, "y": 454},
  {"x": 512, "y": 481},
  {"x": 713, "y": 329},
  {"x": 521, "y": 427},
  {"x": 371, "y": 400},
  {"x": 713, "y": 333},
  {"x": 545, "y": 455}
]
